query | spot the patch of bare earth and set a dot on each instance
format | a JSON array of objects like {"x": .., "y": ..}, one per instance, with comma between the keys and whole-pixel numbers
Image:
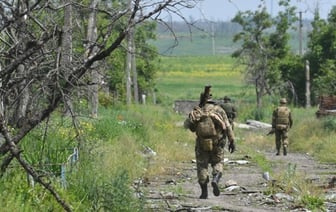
[{"x": 178, "y": 189}]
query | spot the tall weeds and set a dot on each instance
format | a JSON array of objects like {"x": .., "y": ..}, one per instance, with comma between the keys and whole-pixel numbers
[{"x": 113, "y": 148}]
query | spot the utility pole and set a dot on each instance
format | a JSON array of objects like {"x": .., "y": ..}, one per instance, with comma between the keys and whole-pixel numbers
[
  {"x": 213, "y": 38},
  {"x": 212, "y": 29}
]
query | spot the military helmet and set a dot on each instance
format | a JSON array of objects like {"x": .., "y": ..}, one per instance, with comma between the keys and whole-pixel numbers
[
  {"x": 283, "y": 101},
  {"x": 227, "y": 98}
]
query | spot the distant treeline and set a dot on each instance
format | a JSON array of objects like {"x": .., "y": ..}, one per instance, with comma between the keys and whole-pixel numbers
[
  {"x": 219, "y": 28},
  {"x": 204, "y": 37}
]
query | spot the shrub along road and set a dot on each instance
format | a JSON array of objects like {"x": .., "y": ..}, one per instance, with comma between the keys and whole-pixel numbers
[{"x": 243, "y": 187}]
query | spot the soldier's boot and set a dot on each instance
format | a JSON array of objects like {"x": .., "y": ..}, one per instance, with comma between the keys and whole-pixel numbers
[
  {"x": 278, "y": 152},
  {"x": 214, "y": 183},
  {"x": 204, "y": 194},
  {"x": 285, "y": 150}
]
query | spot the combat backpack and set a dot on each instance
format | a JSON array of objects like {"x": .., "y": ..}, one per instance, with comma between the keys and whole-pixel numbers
[
  {"x": 282, "y": 119},
  {"x": 205, "y": 120}
]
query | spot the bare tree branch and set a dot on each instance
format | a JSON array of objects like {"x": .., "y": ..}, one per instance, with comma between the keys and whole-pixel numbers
[{"x": 31, "y": 36}]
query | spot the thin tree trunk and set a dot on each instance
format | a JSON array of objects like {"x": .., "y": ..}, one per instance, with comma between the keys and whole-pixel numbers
[
  {"x": 66, "y": 52},
  {"x": 94, "y": 93},
  {"x": 2, "y": 108},
  {"x": 259, "y": 95},
  {"x": 134, "y": 70},
  {"x": 22, "y": 90},
  {"x": 23, "y": 101},
  {"x": 129, "y": 59},
  {"x": 128, "y": 71},
  {"x": 91, "y": 37}
]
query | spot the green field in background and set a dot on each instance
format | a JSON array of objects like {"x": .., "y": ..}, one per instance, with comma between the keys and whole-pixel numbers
[{"x": 185, "y": 77}]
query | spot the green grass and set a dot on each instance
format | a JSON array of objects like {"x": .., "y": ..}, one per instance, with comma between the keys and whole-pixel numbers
[
  {"x": 185, "y": 78},
  {"x": 111, "y": 158},
  {"x": 112, "y": 145}
]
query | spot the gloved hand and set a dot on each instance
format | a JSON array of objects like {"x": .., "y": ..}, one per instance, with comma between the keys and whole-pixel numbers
[
  {"x": 272, "y": 131},
  {"x": 232, "y": 147}
]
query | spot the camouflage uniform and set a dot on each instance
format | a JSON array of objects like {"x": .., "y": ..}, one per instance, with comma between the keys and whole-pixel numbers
[
  {"x": 230, "y": 110},
  {"x": 214, "y": 156},
  {"x": 281, "y": 123}
]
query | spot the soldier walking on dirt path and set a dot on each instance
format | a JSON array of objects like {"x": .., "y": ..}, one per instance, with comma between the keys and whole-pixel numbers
[
  {"x": 230, "y": 110},
  {"x": 211, "y": 125},
  {"x": 281, "y": 123}
]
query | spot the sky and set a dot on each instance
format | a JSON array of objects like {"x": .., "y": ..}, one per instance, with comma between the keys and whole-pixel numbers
[{"x": 225, "y": 10}]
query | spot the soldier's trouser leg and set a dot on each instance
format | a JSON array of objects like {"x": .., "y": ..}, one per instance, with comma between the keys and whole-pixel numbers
[
  {"x": 285, "y": 142},
  {"x": 202, "y": 160},
  {"x": 214, "y": 183},
  {"x": 278, "y": 141},
  {"x": 217, "y": 168}
]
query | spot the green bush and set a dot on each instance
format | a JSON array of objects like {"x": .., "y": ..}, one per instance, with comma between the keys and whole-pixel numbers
[
  {"x": 329, "y": 124},
  {"x": 105, "y": 99}
]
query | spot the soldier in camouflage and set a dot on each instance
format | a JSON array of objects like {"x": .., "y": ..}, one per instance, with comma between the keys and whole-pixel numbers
[
  {"x": 230, "y": 110},
  {"x": 214, "y": 153},
  {"x": 281, "y": 123}
]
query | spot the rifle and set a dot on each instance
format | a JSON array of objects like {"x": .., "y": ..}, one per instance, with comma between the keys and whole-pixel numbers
[{"x": 205, "y": 95}]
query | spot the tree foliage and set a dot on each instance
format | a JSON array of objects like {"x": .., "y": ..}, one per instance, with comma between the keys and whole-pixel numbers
[
  {"x": 264, "y": 47},
  {"x": 146, "y": 56},
  {"x": 322, "y": 53}
]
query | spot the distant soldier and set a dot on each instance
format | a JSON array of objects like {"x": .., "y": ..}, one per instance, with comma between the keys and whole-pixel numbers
[
  {"x": 210, "y": 123},
  {"x": 281, "y": 123},
  {"x": 230, "y": 110}
]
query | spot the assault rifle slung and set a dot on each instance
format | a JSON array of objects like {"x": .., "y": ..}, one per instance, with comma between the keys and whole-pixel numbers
[{"x": 205, "y": 95}]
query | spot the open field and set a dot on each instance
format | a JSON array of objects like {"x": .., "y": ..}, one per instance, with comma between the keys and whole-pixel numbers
[{"x": 185, "y": 77}]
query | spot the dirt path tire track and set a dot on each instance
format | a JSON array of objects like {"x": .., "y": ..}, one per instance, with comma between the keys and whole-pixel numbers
[{"x": 179, "y": 191}]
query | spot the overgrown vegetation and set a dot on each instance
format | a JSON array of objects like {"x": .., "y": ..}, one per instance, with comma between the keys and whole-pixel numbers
[
  {"x": 91, "y": 163},
  {"x": 111, "y": 156}
]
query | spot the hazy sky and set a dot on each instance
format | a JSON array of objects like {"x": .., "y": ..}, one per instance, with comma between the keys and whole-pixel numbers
[{"x": 226, "y": 9}]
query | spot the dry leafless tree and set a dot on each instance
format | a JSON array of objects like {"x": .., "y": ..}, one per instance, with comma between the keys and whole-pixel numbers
[{"x": 39, "y": 68}]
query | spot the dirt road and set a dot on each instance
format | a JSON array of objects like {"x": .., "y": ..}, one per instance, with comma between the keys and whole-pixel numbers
[{"x": 179, "y": 191}]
